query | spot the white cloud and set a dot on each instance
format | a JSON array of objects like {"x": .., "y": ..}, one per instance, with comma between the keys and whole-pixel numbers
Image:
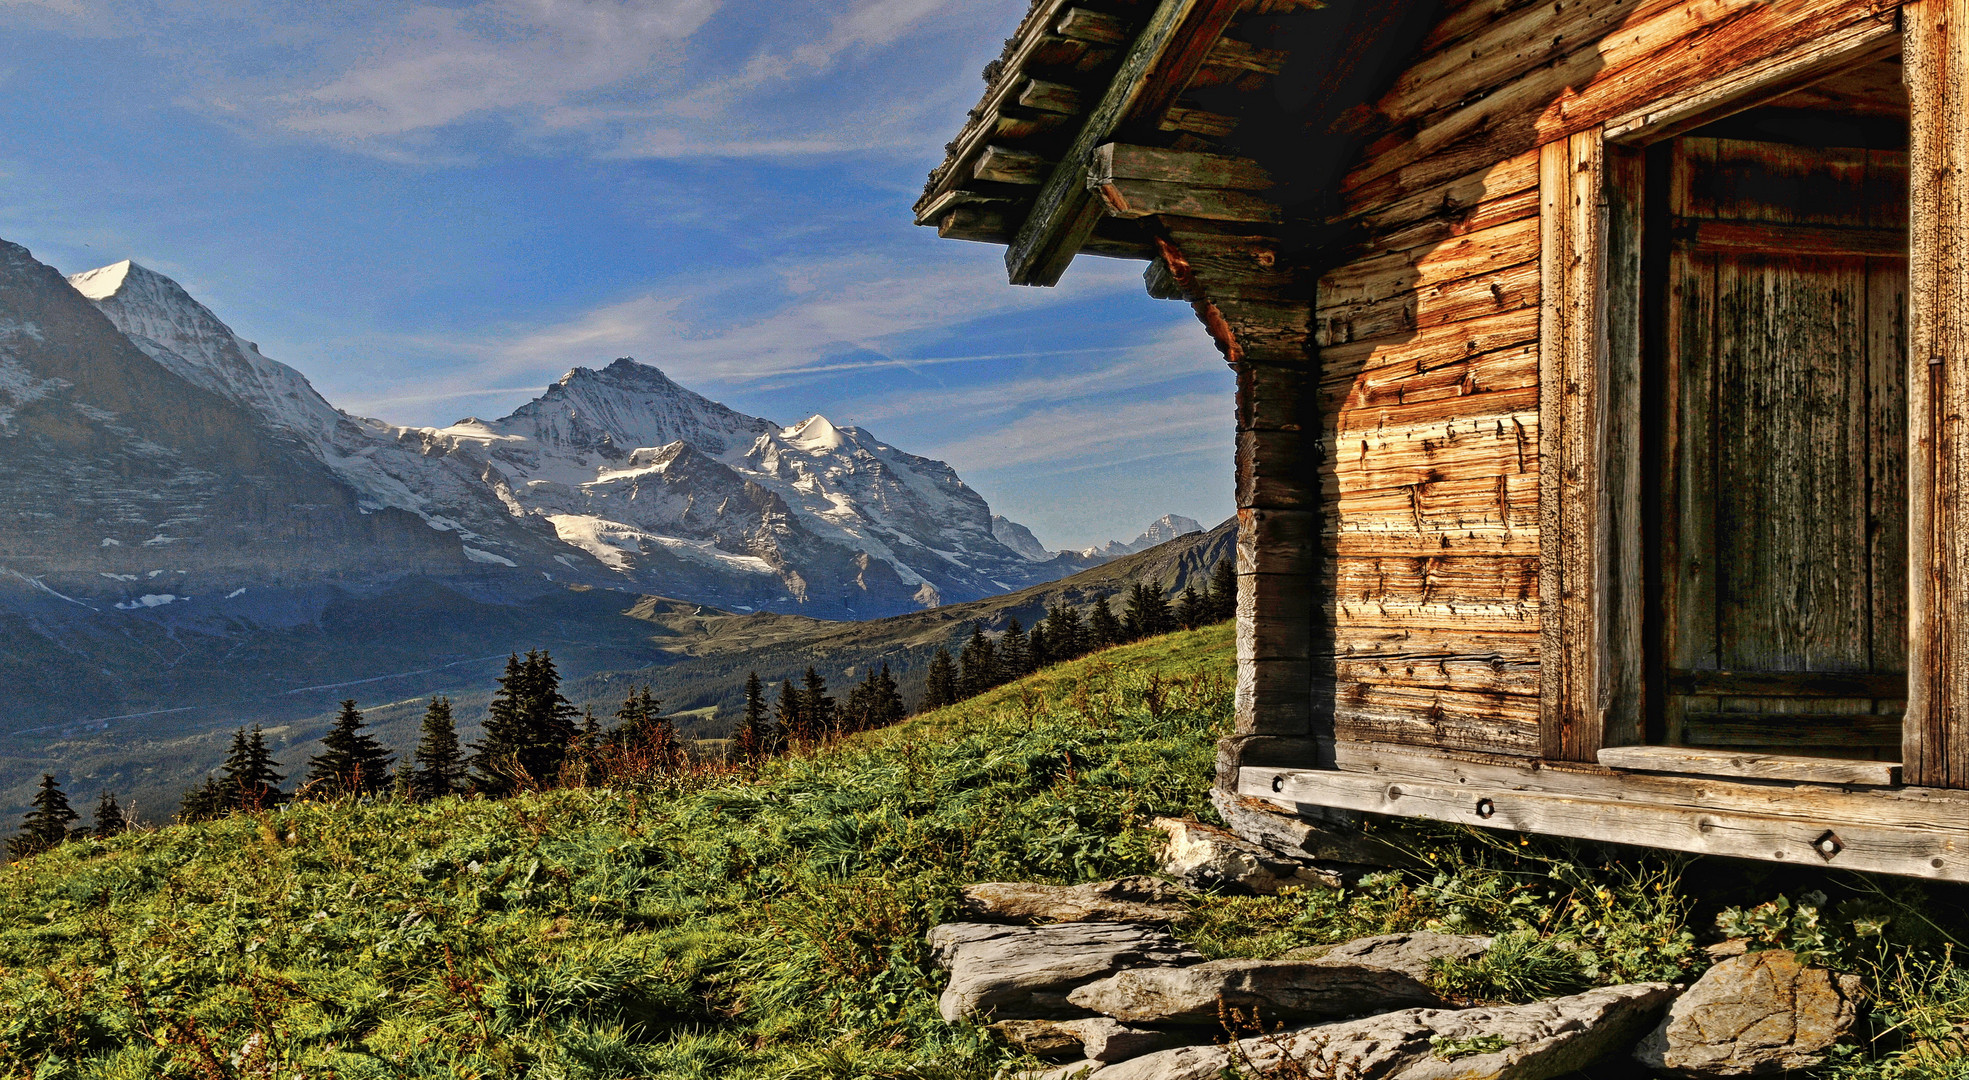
[{"x": 1070, "y": 438}]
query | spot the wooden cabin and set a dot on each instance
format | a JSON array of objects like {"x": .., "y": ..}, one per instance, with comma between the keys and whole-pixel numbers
[{"x": 1603, "y": 391}]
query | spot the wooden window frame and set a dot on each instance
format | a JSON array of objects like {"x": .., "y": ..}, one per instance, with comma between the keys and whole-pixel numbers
[{"x": 1591, "y": 353}]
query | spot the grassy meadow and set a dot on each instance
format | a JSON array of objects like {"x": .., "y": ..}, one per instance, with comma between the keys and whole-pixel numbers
[{"x": 770, "y": 924}]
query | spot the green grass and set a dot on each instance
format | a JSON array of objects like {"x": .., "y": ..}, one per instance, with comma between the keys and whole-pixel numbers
[{"x": 772, "y": 926}]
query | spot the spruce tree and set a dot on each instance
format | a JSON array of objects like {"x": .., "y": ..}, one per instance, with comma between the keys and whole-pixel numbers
[
  {"x": 438, "y": 766},
  {"x": 351, "y": 761},
  {"x": 496, "y": 756},
  {"x": 755, "y": 734},
  {"x": 45, "y": 826},
  {"x": 110, "y": 819},
  {"x": 979, "y": 662},
  {"x": 642, "y": 729},
  {"x": 250, "y": 780},
  {"x": 787, "y": 713},
  {"x": 206, "y": 801},
  {"x": 1147, "y": 612},
  {"x": 1189, "y": 609},
  {"x": 858, "y": 712},
  {"x": 1014, "y": 653},
  {"x": 815, "y": 705},
  {"x": 940, "y": 688},
  {"x": 1223, "y": 591},
  {"x": 548, "y": 719},
  {"x": 889, "y": 708},
  {"x": 1103, "y": 629},
  {"x": 1066, "y": 635},
  {"x": 1039, "y": 647}
]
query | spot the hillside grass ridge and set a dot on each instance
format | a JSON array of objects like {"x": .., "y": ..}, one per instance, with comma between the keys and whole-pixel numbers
[{"x": 770, "y": 923}]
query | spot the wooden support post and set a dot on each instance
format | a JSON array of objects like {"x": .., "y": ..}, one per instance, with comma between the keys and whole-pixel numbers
[
  {"x": 1576, "y": 480},
  {"x": 1935, "y": 55}
]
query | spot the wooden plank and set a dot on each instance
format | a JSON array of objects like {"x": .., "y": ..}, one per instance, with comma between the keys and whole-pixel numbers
[
  {"x": 1130, "y": 199},
  {"x": 1887, "y": 475},
  {"x": 1052, "y": 97},
  {"x": 1466, "y": 448},
  {"x": 1480, "y": 674},
  {"x": 1493, "y": 722},
  {"x": 1929, "y": 851},
  {"x": 1159, "y": 63},
  {"x": 1497, "y": 55},
  {"x": 1513, "y": 289},
  {"x": 1693, "y": 104},
  {"x": 1790, "y": 730},
  {"x": 1573, "y": 520},
  {"x": 1763, "y": 239},
  {"x": 1485, "y": 515},
  {"x": 1456, "y": 377},
  {"x": 1430, "y": 347},
  {"x": 1680, "y": 759},
  {"x": 1395, "y": 273},
  {"x": 1936, "y": 56},
  {"x": 1011, "y": 165},
  {"x": 1493, "y": 182},
  {"x": 1235, "y": 55},
  {"x": 1096, "y": 27},
  {"x": 1121, "y": 161},
  {"x": 1210, "y": 125},
  {"x": 1856, "y": 684},
  {"x": 1628, "y": 594},
  {"x": 1665, "y": 43}
]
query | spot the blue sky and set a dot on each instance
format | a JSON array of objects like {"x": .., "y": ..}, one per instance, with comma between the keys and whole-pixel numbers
[{"x": 434, "y": 210}]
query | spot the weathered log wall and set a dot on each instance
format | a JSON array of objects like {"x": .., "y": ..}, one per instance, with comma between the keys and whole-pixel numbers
[{"x": 1429, "y": 342}]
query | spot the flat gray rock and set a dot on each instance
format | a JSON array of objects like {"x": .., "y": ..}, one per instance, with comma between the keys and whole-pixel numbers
[
  {"x": 1129, "y": 899},
  {"x": 1054, "y": 1040},
  {"x": 1273, "y": 990},
  {"x": 1206, "y": 856},
  {"x": 1506, "y": 1042},
  {"x": 1108, "y": 1040},
  {"x": 1761, "y": 1012},
  {"x": 1410, "y": 954},
  {"x": 1025, "y": 972},
  {"x": 1261, "y": 823}
]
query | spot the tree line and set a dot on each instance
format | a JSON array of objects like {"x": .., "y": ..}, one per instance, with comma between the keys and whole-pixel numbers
[{"x": 535, "y": 738}]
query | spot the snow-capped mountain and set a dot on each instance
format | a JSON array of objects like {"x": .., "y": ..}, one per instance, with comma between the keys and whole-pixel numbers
[
  {"x": 621, "y": 477},
  {"x": 1019, "y": 538},
  {"x": 639, "y": 473},
  {"x": 1160, "y": 531}
]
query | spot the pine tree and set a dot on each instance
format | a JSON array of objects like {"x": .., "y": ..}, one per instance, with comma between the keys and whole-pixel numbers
[
  {"x": 755, "y": 732},
  {"x": 110, "y": 819},
  {"x": 1189, "y": 609},
  {"x": 979, "y": 662},
  {"x": 1103, "y": 629},
  {"x": 1223, "y": 591},
  {"x": 1014, "y": 653},
  {"x": 206, "y": 801},
  {"x": 642, "y": 729},
  {"x": 858, "y": 713},
  {"x": 250, "y": 780},
  {"x": 45, "y": 826},
  {"x": 815, "y": 706},
  {"x": 1039, "y": 646},
  {"x": 889, "y": 708},
  {"x": 589, "y": 738},
  {"x": 439, "y": 767},
  {"x": 496, "y": 757},
  {"x": 351, "y": 761},
  {"x": 1066, "y": 635},
  {"x": 788, "y": 714},
  {"x": 1147, "y": 613},
  {"x": 940, "y": 689}
]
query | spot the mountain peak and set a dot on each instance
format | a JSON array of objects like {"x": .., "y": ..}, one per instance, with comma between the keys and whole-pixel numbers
[
  {"x": 104, "y": 281},
  {"x": 815, "y": 434}
]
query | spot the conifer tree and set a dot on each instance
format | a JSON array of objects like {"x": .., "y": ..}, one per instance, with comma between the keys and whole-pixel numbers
[
  {"x": 1066, "y": 635},
  {"x": 1189, "y": 609},
  {"x": 1039, "y": 647},
  {"x": 815, "y": 706},
  {"x": 589, "y": 738},
  {"x": 438, "y": 766},
  {"x": 642, "y": 728},
  {"x": 205, "y": 801},
  {"x": 351, "y": 761},
  {"x": 45, "y": 826},
  {"x": 979, "y": 663},
  {"x": 496, "y": 756},
  {"x": 1223, "y": 591},
  {"x": 889, "y": 708},
  {"x": 858, "y": 712},
  {"x": 788, "y": 714},
  {"x": 1147, "y": 613},
  {"x": 1014, "y": 653},
  {"x": 1103, "y": 629},
  {"x": 250, "y": 780},
  {"x": 940, "y": 689},
  {"x": 110, "y": 819},
  {"x": 755, "y": 732}
]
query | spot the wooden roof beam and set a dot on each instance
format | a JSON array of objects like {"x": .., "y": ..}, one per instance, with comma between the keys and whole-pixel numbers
[{"x": 1155, "y": 69}]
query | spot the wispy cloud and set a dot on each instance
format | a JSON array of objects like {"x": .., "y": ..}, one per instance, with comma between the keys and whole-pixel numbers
[{"x": 1069, "y": 438}]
